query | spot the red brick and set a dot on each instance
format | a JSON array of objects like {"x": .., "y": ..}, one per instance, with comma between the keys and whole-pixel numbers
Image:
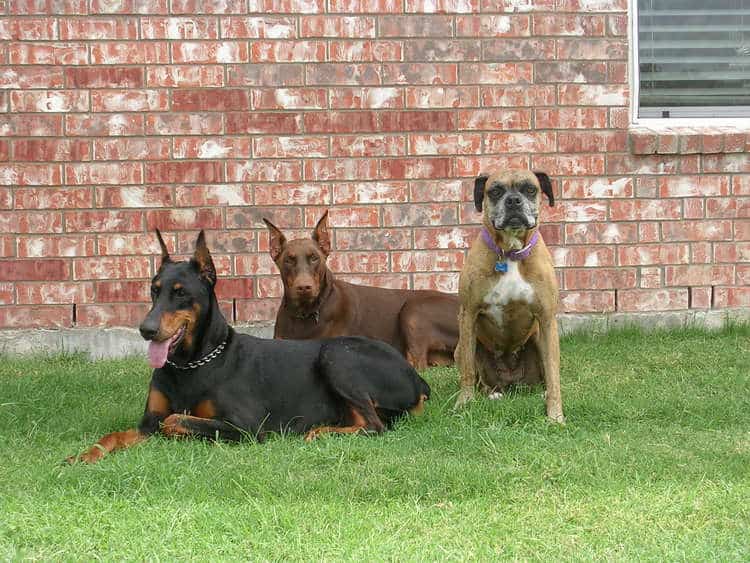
[
  {"x": 219, "y": 241},
  {"x": 254, "y": 27},
  {"x": 98, "y": 28},
  {"x": 257, "y": 310},
  {"x": 216, "y": 194},
  {"x": 729, "y": 208},
  {"x": 570, "y": 72},
  {"x": 493, "y": 119},
  {"x": 495, "y": 73},
  {"x": 36, "y": 316},
  {"x": 697, "y": 230},
  {"x": 53, "y": 198},
  {"x": 644, "y": 209},
  {"x": 56, "y": 293},
  {"x": 366, "y": 6},
  {"x": 212, "y": 147},
  {"x": 33, "y": 77},
  {"x": 442, "y": 6},
  {"x": 505, "y": 25},
  {"x": 104, "y": 125},
  {"x": 371, "y": 192},
  {"x": 134, "y": 196},
  {"x": 30, "y": 175},
  {"x": 210, "y": 52},
  {"x": 104, "y": 77},
  {"x": 431, "y": 97},
  {"x": 600, "y": 278},
  {"x": 266, "y": 75},
  {"x": 258, "y": 122},
  {"x": 416, "y": 26},
  {"x": 345, "y": 217},
  {"x": 651, "y": 278},
  {"x": 292, "y": 194},
  {"x": 594, "y": 95},
  {"x": 588, "y": 257},
  {"x": 353, "y": 74},
  {"x": 741, "y": 185},
  {"x": 6, "y": 294},
  {"x": 602, "y": 233},
  {"x": 186, "y": 76},
  {"x": 571, "y": 118},
  {"x": 592, "y": 141},
  {"x": 264, "y": 171},
  {"x": 570, "y": 165},
  {"x": 179, "y": 28},
  {"x": 290, "y": 147},
  {"x": 653, "y": 254},
  {"x": 419, "y": 215},
  {"x": 373, "y": 239},
  {"x": 579, "y": 48},
  {"x": 288, "y": 51},
  {"x": 647, "y": 300},
  {"x": 130, "y": 52},
  {"x": 49, "y": 101},
  {"x": 45, "y": 150},
  {"x": 184, "y": 124},
  {"x": 53, "y": 53},
  {"x": 473, "y": 165},
  {"x": 445, "y": 282},
  {"x": 131, "y": 6},
  {"x": 365, "y": 51},
  {"x": 47, "y": 246},
  {"x": 732, "y": 252},
  {"x": 444, "y": 237},
  {"x": 340, "y": 169},
  {"x": 234, "y": 288},
  {"x": 428, "y": 260},
  {"x": 532, "y": 141},
  {"x": 255, "y": 264},
  {"x": 724, "y": 163},
  {"x": 371, "y": 145},
  {"x": 445, "y": 144},
  {"x": 129, "y": 100},
  {"x": 122, "y": 291},
  {"x": 731, "y": 297},
  {"x": 211, "y": 99},
  {"x": 208, "y": 6},
  {"x": 437, "y": 190},
  {"x": 505, "y": 96},
  {"x": 29, "y": 29},
  {"x": 568, "y": 24},
  {"x": 131, "y": 149},
  {"x": 597, "y": 188},
  {"x": 111, "y": 315},
  {"x": 339, "y": 26},
  {"x": 587, "y": 301},
  {"x": 420, "y": 73},
  {"x": 408, "y": 168},
  {"x": 28, "y": 270},
  {"x": 129, "y": 244},
  {"x": 103, "y": 221},
  {"x": 111, "y": 267},
  {"x": 290, "y": 98},
  {"x": 104, "y": 173},
  {"x": 699, "y": 275},
  {"x": 179, "y": 219}
]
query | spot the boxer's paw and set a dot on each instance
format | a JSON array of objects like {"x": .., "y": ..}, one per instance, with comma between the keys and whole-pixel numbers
[{"x": 464, "y": 396}]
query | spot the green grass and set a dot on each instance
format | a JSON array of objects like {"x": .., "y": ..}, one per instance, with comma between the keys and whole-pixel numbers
[{"x": 653, "y": 464}]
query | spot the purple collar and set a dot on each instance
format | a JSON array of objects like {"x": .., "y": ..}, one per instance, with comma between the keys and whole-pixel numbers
[{"x": 514, "y": 255}]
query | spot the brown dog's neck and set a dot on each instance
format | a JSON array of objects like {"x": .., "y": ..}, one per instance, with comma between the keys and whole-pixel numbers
[
  {"x": 311, "y": 311},
  {"x": 507, "y": 243}
]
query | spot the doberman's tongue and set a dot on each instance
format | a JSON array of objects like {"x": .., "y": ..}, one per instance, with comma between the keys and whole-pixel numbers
[{"x": 158, "y": 351}]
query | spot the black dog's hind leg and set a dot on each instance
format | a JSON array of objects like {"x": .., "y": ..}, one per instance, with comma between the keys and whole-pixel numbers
[{"x": 186, "y": 425}]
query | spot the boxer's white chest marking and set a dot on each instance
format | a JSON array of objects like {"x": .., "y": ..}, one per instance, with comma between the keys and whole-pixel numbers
[{"x": 511, "y": 287}]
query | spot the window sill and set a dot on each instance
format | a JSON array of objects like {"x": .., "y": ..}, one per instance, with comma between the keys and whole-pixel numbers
[{"x": 695, "y": 138}]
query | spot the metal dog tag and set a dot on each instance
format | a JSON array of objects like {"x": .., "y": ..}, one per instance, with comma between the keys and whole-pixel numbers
[{"x": 501, "y": 266}]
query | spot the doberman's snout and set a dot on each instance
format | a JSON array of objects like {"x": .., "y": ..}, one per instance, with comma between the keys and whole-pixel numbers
[
  {"x": 303, "y": 288},
  {"x": 148, "y": 329}
]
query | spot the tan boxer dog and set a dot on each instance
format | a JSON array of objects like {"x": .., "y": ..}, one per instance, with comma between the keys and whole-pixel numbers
[{"x": 508, "y": 294}]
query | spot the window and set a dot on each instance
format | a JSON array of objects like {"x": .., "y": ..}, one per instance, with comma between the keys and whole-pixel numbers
[{"x": 693, "y": 58}]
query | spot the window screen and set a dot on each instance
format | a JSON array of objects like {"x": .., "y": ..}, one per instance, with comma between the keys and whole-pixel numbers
[{"x": 694, "y": 58}]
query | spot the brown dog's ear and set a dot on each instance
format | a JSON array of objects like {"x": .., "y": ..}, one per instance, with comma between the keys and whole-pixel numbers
[
  {"x": 164, "y": 252},
  {"x": 479, "y": 190},
  {"x": 276, "y": 241},
  {"x": 202, "y": 259},
  {"x": 546, "y": 184},
  {"x": 321, "y": 235}
]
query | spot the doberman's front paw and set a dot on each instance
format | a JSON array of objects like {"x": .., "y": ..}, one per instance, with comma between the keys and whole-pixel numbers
[
  {"x": 313, "y": 434},
  {"x": 556, "y": 417},
  {"x": 91, "y": 456},
  {"x": 172, "y": 426}
]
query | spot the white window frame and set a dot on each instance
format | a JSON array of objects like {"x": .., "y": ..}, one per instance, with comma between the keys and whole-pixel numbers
[{"x": 741, "y": 120}]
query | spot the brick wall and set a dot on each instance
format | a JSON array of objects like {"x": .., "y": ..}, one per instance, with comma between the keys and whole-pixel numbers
[{"x": 119, "y": 116}]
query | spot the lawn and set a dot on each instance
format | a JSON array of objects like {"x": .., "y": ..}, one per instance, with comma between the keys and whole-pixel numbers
[{"x": 654, "y": 464}]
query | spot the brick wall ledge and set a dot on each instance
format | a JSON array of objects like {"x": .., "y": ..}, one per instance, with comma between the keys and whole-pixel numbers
[
  {"x": 101, "y": 343},
  {"x": 700, "y": 139}
]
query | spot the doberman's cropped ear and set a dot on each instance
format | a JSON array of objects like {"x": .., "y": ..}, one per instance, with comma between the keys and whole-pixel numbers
[
  {"x": 479, "y": 190},
  {"x": 546, "y": 184},
  {"x": 164, "y": 252},
  {"x": 276, "y": 241},
  {"x": 202, "y": 259},
  {"x": 322, "y": 235}
]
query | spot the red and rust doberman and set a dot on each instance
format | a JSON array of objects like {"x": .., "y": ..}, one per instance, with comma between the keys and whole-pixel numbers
[
  {"x": 422, "y": 324},
  {"x": 211, "y": 382}
]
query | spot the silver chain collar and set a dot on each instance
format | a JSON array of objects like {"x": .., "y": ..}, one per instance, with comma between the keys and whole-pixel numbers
[{"x": 202, "y": 361}]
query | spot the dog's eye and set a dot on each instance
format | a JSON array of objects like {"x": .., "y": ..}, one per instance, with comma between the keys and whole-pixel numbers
[
  {"x": 496, "y": 192},
  {"x": 179, "y": 292},
  {"x": 154, "y": 291},
  {"x": 314, "y": 258},
  {"x": 530, "y": 190}
]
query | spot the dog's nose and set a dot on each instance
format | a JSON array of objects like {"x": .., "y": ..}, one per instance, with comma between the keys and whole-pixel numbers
[
  {"x": 148, "y": 331},
  {"x": 513, "y": 201},
  {"x": 304, "y": 288}
]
